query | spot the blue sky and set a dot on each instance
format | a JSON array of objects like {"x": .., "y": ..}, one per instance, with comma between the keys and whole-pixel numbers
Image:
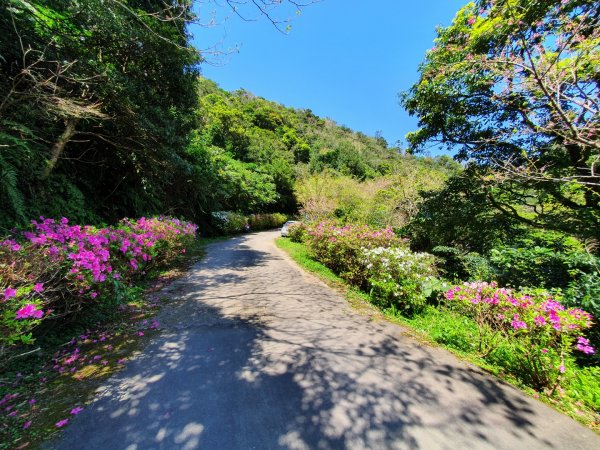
[{"x": 343, "y": 59}]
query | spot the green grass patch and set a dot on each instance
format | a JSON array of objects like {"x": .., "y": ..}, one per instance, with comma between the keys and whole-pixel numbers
[
  {"x": 579, "y": 397},
  {"x": 300, "y": 254}
]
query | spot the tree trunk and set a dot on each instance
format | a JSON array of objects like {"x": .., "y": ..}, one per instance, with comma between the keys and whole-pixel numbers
[{"x": 60, "y": 144}]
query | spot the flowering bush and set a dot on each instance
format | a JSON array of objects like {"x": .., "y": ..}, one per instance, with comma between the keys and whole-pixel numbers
[
  {"x": 341, "y": 248},
  {"x": 57, "y": 269},
  {"x": 541, "y": 331},
  {"x": 298, "y": 232},
  {"x": 399, "y": 277}
]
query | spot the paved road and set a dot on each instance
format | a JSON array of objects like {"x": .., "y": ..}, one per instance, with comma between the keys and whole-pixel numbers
[{"x": 256, "y": 354}]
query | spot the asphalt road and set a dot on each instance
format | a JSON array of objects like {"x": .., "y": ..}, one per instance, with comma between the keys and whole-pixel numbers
[{"x": 256, "y": 354}]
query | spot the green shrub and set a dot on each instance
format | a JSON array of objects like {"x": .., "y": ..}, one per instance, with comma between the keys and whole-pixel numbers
[
  {"x": 458, "y": 265},
  {"x": 259, "y": 222},
  {"x": 228, "y": 222},
  {"x": 298, "y": 232}
]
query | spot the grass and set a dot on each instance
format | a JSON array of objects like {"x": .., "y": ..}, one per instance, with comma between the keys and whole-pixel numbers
[{"x": 579, "y": 397}]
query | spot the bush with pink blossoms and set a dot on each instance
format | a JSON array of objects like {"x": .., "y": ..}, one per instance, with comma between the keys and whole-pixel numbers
[
  {"x": 342, "y": 248},
  {"x": 540, "y": 330},
  {"x": 57, "y": 269}
]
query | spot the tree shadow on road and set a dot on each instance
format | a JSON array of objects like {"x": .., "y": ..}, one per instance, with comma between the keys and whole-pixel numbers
[{"x": 219, "y": 380}]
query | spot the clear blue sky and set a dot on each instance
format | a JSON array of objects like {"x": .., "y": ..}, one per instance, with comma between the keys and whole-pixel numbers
[{"x": 343, "y": 59}]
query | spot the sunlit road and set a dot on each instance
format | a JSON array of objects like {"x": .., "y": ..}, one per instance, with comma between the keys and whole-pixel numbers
[{"x": 256, "y": 354}]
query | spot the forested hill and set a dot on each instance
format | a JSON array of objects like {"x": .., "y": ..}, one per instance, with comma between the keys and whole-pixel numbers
[
  {"x": 104, "y": 114},
  {"x": 255, "y": 151}
]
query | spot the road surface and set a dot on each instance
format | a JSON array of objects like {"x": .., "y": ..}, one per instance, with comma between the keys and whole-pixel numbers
[{"x": 256, "y": 354}]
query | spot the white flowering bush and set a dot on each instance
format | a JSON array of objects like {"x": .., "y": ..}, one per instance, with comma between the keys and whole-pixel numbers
[{"x": 399, "y": 277}]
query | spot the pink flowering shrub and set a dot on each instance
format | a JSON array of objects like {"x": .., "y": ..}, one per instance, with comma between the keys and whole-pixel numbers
[
  {"x": 58, "y": 269},
  {"x": 540, "y": 330},
  {"x": 341, "y": 248}
]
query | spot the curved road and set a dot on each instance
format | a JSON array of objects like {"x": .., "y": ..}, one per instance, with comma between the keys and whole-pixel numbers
[{"x": 256, "y": 354}]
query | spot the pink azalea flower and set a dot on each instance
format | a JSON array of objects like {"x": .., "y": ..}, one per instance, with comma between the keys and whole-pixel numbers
[
  {"x": 9, "y": 293},
  {"x": 583, "y": 345},
  {"x": 76, "y": 410},
  {"x": 38, "y": 287},
  {"x": 29, "y": 310},
  {"x": 561, "y": 368},
  {"x": 539, "y": 321},
  {"x": 61, "y": 423}
]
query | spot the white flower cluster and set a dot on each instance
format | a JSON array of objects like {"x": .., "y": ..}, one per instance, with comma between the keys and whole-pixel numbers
[
  {"x": 221, "y": 216},
  {"x": 399, "y": 274},
  {"x": 398, "y": 263}
]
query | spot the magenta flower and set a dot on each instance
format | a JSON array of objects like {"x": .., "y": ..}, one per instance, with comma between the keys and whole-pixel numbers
[
  {"x": 9, "y": 293},
  {"x": 539, "y": 321},
  {"x": 27, "y": 424},
  {"x": 561, "y": 368},
  {"x": 471, "y": 20},
  {"x": 583, "y": 345},
  {"x": 76, "y": 410},
  {"x": 38, "y": 287},
  {"x": 61, "y": 423},
  {"x": 29, "y": 310}
]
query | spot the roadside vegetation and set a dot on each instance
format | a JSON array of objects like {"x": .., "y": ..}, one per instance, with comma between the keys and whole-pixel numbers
[
  {"x": 494, "y": 253},
  {"x": 527, "y": 338},
  {"x": 75, "y": 304},
  {"x": 498, "y": 258}
]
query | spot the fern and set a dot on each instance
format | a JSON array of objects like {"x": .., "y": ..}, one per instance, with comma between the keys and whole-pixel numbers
[{"x": 10, "y": 195}]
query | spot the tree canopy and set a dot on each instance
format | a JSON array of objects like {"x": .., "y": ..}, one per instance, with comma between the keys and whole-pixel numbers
[{"x": 512, "y": 86}]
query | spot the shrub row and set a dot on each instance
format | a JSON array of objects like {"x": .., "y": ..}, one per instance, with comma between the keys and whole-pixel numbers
[
  {"x": 229, "y": 222},
  {"x": 342, "y": 248},
  {"x": 540, "y": 332},
  {"x": 57, "y": 269}
]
